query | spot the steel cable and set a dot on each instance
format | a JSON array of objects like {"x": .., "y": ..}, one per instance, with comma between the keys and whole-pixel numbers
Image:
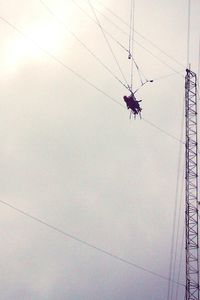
[
  {"x": 125, "y": 33},
  {"x": 141, "y": 35},
  {"x": 77, "y": 239},
  {"x": 107, "y": 41},
  {"x": 84, "y": 79},
  {"x": 81, "y": 42}
]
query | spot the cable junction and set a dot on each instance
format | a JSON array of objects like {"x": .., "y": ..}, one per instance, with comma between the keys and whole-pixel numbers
[
  {"x": 82, "y": 43},
  {"x": 60, "y": 62},
  {"x": 180, "y": 73},
  {"x": 107, "y": 41},
  {"x": 138, "y": 33}
]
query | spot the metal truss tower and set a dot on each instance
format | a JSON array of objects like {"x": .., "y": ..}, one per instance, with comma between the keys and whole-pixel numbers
[{"x": 191, "y": 186}]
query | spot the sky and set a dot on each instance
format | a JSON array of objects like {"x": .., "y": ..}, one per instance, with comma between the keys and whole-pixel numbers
[{"x": 72, "y": 158}]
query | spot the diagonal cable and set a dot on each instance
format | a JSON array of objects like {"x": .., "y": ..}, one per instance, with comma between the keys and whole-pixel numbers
[
  {"x": 180, "y": 259},
  {"x": 81, "y": 42},
  {"x": 107, "y": 41},
  {"x": 138, "y": 33},
  {"x": 177, "y": 229},
  {"x": 60, "y": 62},
  {"x": 172, "y": 255},
  {"x": 123, "y": 47},
  {"x": 77, "y": 239}
]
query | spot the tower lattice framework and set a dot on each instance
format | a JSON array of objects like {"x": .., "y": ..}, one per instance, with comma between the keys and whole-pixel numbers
[{"x": 191, "y": 185}]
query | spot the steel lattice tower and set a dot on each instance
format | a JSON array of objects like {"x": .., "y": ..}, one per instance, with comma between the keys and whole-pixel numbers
[{"x": 191, "y": 185}]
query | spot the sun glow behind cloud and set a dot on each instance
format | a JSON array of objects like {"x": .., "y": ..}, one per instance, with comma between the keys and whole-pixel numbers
[
  {"x": 43, "y": 35},
  {"x": 41, "y": 31}
]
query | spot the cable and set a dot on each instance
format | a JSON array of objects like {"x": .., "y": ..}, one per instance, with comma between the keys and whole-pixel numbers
[
  {"x": 164, "y": 76},
  {"x": 122, "y": 31},
  {"x": 105, "y": 37},
  {"x": 178, "y": 234},
  {"x": 91, "y": 84},
  {"x": 60, "y": 62},
  {"x": 109, "y": 34},
  {"x": 188, "y": 35},
  {"x": 172, "y": 255},
  {"x": 139, "y": 44},
  {"x": 163, "y": 131},
  {"x": 83, "y": 78},
  {"x": 116, "y": 41},
  {"x": 132, "y": 40},
  {"x": 174, "y": 218},
  {"x": 182, "y": 240},
  {"x": 82, "y": 43},
  {"x": 131, "y": 45},
  {"x": 140, "y": 73},
  {"x": 179, "y": 265},
  {"x": 130, "y": 31},
  {"x": 77, "y": 239},
  {"x": 85, "y": 46},
  {"x": 160, "y": 60},
  {"x": 141, "y": 35}
]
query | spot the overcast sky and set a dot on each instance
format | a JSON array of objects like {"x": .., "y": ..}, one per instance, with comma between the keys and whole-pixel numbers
[{"x": 71, "y": 156}]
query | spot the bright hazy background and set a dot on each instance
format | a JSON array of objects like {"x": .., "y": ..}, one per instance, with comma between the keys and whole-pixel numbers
[{"x": 71, "y": 156}]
